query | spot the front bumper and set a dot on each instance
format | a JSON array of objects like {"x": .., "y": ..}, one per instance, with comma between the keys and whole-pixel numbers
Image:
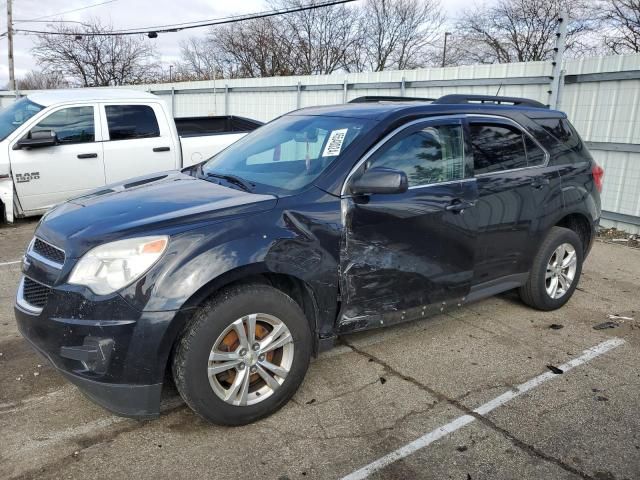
[{"x": 119, "y": 363}]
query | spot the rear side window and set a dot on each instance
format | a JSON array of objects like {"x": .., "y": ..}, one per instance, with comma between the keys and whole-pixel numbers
[
  {"x": 131, "y": 121},
  {"x": 71, "y": 125},
  {"x": 560, "y": 128},
  {"x": 499, "y": 147},
  {"x": 431, "y": 155}
]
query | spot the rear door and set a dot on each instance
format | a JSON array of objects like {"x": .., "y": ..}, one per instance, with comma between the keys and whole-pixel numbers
[
  {"x": 138, "y": 141},
  {"x": 46, "y": 176},
  {"x": 514, "y": 189},
  {"x": 407, "y": 255}
]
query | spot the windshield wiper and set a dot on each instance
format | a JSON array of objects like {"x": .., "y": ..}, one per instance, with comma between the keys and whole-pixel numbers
[{"x": 246, "y": 186}]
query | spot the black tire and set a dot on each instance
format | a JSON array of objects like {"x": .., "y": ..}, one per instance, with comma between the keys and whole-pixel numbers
[
  {"x": 534, "y": 292},
  {"x": 191, "y": 356}
]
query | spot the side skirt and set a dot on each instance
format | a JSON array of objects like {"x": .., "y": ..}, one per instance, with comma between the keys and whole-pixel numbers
[
  {"x": 477, "y": 292},
  {"x": 496, "y": 286}
]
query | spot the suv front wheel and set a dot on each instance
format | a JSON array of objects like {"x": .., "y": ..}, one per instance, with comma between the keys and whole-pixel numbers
[
  {"x": 555, "y": 271},
  {"x": 243, "y": 356}
]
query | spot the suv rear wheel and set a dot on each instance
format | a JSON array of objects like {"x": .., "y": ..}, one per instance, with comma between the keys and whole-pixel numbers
[
  {"x": 555, "y": 272},
  {"x": 243, "y": 356}
]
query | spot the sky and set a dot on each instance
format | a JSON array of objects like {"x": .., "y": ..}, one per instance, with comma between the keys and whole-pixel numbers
[{"x": 128, "y": 14}]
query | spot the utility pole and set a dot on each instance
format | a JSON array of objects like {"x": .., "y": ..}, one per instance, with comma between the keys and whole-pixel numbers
[
  {"x": 12, "y": 77},
  {"x": 170, "y": 73},
  {"x": 444, "y": 51},
  {"x": 558, "y": 54}
]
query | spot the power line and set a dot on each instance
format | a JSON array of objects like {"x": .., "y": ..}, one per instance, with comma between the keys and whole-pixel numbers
[{"x": 188, "y": 25}]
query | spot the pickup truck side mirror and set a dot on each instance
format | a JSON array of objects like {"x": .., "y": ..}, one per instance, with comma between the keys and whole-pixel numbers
[
  {"x": 380, "y": 180},
  {"x": 38, "y": 139}
]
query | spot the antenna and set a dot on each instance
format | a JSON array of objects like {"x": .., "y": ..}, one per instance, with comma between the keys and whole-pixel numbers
[{"x": 499, "y": 88}]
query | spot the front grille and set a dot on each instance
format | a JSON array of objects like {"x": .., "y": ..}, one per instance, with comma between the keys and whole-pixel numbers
[
  {"x": 48, "y": 251},
  {"x": 35, "y": 293}
]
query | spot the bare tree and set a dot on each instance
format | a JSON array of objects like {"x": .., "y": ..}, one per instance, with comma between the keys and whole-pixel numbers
[
  {"x": 399, "y": 34},
  {"x": 199, "y": 60},
  {"x": 321, "y": 40},
  {"x": 37, "y": 80},
  {"x": 255, "y": 48},
  {"x": 621, "y": 22},
  {"x": 518, "y": 31},
  {"x": 92, "y": 60}
]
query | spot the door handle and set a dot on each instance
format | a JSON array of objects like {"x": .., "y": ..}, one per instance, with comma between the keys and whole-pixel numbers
[
  {"x": 459, "y": 206},
  {"x": 161, "y": 149},
  {"x": 87, "y": 155},
  {"x": 539, "y": 182}
]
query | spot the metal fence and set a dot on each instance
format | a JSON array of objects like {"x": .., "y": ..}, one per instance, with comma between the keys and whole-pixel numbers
[{"x": 601, "y": 96}]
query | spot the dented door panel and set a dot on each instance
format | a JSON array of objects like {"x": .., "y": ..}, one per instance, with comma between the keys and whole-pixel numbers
[{"x": 406, "y": 256}]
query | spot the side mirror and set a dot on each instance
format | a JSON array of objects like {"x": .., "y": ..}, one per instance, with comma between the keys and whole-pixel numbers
[
  {"x": 41, "y": 138},
  {"x": 380, "y": 180}
]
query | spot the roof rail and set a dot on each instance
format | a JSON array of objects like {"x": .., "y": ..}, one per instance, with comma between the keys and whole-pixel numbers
[
  {"x": 489, "y": 99},
  {"x": 382, "y": 98}
]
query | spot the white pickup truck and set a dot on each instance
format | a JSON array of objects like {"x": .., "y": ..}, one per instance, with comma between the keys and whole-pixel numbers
[{"x": 61, "y": 143}]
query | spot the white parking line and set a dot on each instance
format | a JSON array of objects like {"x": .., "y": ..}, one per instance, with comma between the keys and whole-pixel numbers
[
  {"x": 460, "y": 422},
  {"x": 9, "y": 263}
]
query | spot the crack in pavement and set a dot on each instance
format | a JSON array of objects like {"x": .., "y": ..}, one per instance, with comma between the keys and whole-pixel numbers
[
  {"x": 121, "y": 425},
  {"x": 525, "y": 447}
]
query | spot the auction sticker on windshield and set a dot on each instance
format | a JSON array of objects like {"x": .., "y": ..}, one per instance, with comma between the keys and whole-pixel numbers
[{"x": 334, "y": 144}]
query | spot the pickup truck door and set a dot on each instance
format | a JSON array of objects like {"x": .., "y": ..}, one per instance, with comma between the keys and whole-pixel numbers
[
  {"x": 139, "y": 140},
  {"x": 46, "y": 176},
  {"x": 406, "y": 255}
]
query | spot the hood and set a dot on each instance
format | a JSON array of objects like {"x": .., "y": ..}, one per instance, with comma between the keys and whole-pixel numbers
[{"x": 163, "y": 203}]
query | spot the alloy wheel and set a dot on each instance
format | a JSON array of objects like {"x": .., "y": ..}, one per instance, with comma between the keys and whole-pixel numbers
[
  {"x": 561, "y": 270},
  {"x": 250, "y": 359}
]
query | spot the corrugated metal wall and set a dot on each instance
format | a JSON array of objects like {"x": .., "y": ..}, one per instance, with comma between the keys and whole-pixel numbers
[{"x": 601, "y": 96}]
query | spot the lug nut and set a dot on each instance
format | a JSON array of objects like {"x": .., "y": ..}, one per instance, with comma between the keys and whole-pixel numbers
[
  {"x": 261, "y": 357},
  {"x": 256, "y": 347},
  {"x": 241, "y": 366},
  {"x": 242, "y": 352},
  {"x": 254, "y": 369}
]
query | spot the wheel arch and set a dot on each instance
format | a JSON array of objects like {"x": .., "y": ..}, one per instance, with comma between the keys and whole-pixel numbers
[
  {"x": 299, "y": 290},
  {"x": 582, "y": 226}
]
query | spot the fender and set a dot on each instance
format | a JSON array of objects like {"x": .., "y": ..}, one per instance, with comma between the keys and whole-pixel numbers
[{"x": 292, "y": 243}]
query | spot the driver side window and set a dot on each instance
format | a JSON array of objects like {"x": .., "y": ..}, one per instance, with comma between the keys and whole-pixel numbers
[
  {"x": 433, "y": 154},
  {"x": 71, "y": 125}
]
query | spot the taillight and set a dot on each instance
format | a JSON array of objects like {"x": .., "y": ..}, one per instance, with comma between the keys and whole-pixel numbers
[{"x": 598, "y": 176}]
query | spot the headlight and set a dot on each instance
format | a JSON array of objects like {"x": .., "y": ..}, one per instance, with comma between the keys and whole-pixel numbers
[{"x": 112, "y": 266}]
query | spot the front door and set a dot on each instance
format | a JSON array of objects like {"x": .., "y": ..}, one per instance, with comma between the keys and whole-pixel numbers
[
  {"x": 407, "y": 255},
  {"x": 46, "y": 176}
]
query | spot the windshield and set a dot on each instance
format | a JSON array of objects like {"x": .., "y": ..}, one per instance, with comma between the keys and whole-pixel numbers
[
  {"x": 288, "y": 153},
  {"x": 15, "y": 115}
]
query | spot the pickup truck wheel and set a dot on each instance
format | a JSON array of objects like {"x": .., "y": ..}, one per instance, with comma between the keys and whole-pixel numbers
[
  {"x": 555, "y": 272},
  {"x": 243, "y": 356}
]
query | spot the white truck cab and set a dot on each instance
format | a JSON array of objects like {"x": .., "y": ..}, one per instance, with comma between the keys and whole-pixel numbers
[{"x": 61, "y": 143}]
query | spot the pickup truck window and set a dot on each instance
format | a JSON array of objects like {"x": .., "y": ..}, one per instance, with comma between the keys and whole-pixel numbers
[
  {"x": 15, "y": 115},
  {"x": 430, "y": 155},
  {"x": 127, "y": 122},
  {"x": 288, "y": 153},
  {"x": 71, "y": 125}
]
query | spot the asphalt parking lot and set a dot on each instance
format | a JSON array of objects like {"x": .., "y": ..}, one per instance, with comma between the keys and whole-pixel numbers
[{"x": 467, "y": 395}]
